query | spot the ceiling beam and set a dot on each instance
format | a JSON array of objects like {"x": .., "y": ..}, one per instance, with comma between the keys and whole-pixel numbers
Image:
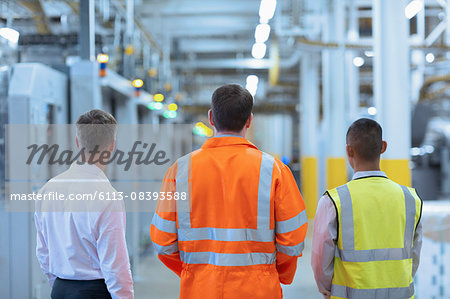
[
  {"x": 202, "y": 26},
  {"x": 245, "y": 63},
  {"x": 203, "y": 45},
  {"x": 196, "y": 7}
]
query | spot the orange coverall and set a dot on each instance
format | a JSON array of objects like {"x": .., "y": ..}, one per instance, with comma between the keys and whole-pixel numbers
[{"x": 241, "y": 228}]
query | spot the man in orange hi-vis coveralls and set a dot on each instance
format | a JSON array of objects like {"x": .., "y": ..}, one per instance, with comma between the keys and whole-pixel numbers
[{"x": 239, "y": 221}]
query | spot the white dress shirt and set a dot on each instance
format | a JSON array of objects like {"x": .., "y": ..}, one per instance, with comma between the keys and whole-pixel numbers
[
  {"x": 83, "y": 245},
  {"x": 325, "y": 238}
]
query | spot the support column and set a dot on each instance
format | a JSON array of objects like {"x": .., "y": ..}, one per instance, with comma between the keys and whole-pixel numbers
[
  {"x": 391, "y": 86},
  {"x": 85, "y": 93},
  {"x": 309, "y": 126},
  {"x": 447, "y": 30},
  {"x": 128, "y": 61},
  {"x": 418, "y": 58},
  {"x": 336, "y": 162},
  {"x": 86, "y": 37},
  {"x": 352, "y": 72}
]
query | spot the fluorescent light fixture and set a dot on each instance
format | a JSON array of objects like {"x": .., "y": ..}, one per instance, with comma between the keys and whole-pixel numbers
[
  {"x": 202, "y": 130},
  {"x": 415, "y": 151},
  {"x": 169, "y": 114},
  {"x": 267, "y": 9},
  {"x": 252, "y": 80},
  {"x": 10, "y": 34},
  {"x": 138, "y": 83},
  {"x": 155, "y": 106},
  {"x": 259, "y": 50},
  {"x": 173, "y": 107},
  {"x": 429, "y": 149},
  {"x": 158, "y": 97},
  {"x": 413, "y": 8},
  {"x": 358, "y": 61},
  {"x": 102, "y": 58},
  {"x": 372, "y": 110},
  {"x": 429, "y": 57},
  {"x": 368, "y": 53},
  {"x": 252, "y": 84},
  {"x": 251, "y": 89},
  {"x": 262, "y": 33}
]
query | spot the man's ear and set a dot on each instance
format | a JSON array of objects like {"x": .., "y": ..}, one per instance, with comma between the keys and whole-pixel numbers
[
  {"x": 76, "y": 142},
  {"x": 112, "y": 146},
  {"x": 383, "y": 147},
  {"x": 210, "y": 118},
  {"x": 249, "y": 121},
  {"x": 349, "y": 151}
]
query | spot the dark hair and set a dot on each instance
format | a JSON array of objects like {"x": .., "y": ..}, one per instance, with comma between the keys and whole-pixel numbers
[
  {"x": 96, "y": 128},
  {"x": 365, "y": 137},
  {"x": 231, "y": 107}
]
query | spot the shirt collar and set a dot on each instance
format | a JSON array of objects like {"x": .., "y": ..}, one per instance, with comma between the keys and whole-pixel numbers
[
  {"x": 365, "y": 174},
  {"x": 228, "y": 135},
  {"x": 88, "y": 168},
  {"x": 226, "y": 140}
]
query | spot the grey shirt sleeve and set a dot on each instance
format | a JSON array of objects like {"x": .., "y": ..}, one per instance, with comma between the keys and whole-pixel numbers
[
  {"x": 323, "y": 244},
  {"x": 417, "y": 246}
]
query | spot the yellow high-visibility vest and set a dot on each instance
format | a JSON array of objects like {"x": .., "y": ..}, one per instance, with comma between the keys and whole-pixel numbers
[{"x": 377, "y": 219}]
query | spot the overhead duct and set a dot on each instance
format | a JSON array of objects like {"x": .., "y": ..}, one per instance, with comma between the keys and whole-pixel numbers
[{"x": 39, "y": 16}]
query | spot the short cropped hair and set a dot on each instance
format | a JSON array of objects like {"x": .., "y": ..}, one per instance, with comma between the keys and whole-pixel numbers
[
  {"x": 96, "y": 128},
  {"x": 231, "y": 107},
  {"x": 365, "y": 137}
]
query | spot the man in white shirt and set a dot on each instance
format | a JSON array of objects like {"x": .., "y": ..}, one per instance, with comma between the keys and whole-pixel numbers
[{"x": 81, "y": 245}]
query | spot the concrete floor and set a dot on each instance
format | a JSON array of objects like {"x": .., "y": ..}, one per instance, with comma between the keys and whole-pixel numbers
[{"x": 154, "y": 280}]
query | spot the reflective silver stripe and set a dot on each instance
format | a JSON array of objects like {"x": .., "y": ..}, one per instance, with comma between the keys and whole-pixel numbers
[
  {"x": 166, "y": 250},
  {"x": 291, "y": 250},
  {"x": 348, "y": 234},
  {"x": 226, "y": 234},
  {"x": 182, "y": 185},
  {"x": 264, "y": 189},
  {"x": 292, "y": 224},
  {"x": 410, "y": 212},
  {"x": 263, "y": 233},
  {"x": 227, "y": 259},
  {"x": 347, "y": 292},
  {"x": 383, "y": 254},
  {"x": 164, "y": 225}
]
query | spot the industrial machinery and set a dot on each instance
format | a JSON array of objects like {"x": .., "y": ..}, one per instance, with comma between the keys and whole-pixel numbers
[
  {"x": 37, "y": 95},
  {"x": 34, "y": 93},
  {"x": 431, "y": 140}
]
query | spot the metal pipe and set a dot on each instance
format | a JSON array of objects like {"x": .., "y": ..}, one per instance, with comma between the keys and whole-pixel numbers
[
  {"x": 424, "y": 95},
  {"x": 119, "y": 6}
]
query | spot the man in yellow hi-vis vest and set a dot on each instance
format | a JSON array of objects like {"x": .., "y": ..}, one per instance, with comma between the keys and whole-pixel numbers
[{"x": 367, "y": 233}]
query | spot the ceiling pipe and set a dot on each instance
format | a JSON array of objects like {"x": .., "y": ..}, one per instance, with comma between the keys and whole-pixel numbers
[
  {"x": 39, "y": 16},
  {"x": 426, "y": 95},
  {"x": 122, "y": 9}
]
